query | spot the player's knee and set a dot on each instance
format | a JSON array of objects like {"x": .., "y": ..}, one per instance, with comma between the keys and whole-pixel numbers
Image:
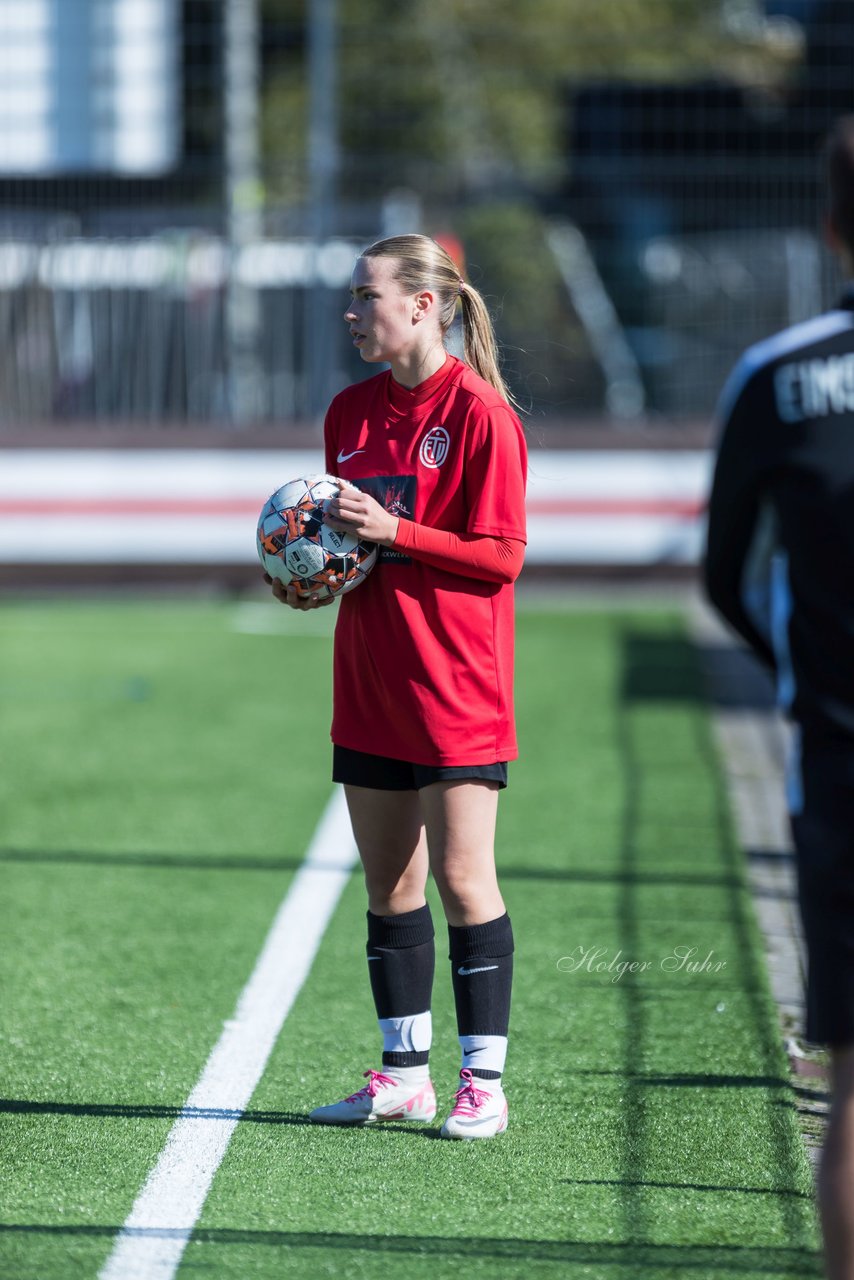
[
  {"x": 395, "y": 903},
  {"x": 389, "y": 896},
  {"x": 461, "y": 887}
]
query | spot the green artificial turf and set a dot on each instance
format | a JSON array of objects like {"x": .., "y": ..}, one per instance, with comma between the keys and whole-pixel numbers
[{"x": 164, "y": 766}]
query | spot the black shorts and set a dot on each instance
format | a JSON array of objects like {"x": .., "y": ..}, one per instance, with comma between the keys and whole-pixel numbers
[
  {"x": 381, "y": 773},
  {"x": 824, "y": 841}
]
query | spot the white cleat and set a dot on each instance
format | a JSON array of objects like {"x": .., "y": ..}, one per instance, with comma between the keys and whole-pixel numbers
[
  {"x": 382, "y": 1098},
  {"x": 478, "y": 1112}
]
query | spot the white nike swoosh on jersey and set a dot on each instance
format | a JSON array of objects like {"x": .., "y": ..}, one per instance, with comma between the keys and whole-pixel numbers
[
  {"x": 483, "y": 969},
  {"x": 343, "y": 457}
]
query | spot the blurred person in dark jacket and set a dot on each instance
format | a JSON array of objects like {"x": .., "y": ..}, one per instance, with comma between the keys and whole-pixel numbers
[{"x": 779, "y": 567}]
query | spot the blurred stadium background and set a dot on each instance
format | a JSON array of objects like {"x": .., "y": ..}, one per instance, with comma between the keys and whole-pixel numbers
[{"x": 184, "y": 184}]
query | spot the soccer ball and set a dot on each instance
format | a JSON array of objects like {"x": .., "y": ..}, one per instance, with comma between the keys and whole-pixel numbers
[{"x": 297, "y": 548}]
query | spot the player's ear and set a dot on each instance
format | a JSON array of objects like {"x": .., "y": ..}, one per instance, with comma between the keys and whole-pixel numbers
[{"x": 424, "y": 303}]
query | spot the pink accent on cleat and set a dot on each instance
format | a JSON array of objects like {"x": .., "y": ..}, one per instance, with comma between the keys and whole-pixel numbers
[
  {"x": 370, "y": 1090},
  {"x": 384, "y": 1097},
  {"x": 477, "y": 1112}
]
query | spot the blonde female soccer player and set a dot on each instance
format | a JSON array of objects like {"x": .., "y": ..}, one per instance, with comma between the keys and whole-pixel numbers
[{"x": 423, "y": 723}]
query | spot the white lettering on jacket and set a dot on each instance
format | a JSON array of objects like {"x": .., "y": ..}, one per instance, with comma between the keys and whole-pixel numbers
[{"x": 814, "y": 388}]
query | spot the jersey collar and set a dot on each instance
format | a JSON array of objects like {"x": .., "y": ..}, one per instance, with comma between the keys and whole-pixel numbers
[{"x": 420, "y": 399}]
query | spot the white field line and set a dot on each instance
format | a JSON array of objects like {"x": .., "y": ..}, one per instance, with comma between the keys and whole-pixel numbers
[{"x": 156, "y": 1232}]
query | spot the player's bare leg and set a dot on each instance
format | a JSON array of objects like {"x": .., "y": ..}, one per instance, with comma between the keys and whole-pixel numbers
[
  {"x": 836, "y": 1173},
  {"x": 390, "y": 838},
  {"x": 389, "y": 834},
  {"x": 460, "y": 819}
]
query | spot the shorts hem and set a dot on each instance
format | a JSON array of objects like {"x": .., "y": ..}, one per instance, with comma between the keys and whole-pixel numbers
[{"x": 386, "y": 773}]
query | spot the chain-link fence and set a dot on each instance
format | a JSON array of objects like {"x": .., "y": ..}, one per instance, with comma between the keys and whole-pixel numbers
[{"x": 184, "y": 184}]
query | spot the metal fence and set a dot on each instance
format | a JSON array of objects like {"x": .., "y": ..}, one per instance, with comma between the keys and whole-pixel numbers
[
  {"x": 635, "y": 187},
  {"x": 134, "y": 331}
]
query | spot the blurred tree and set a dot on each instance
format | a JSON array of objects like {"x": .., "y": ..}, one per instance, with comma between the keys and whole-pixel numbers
[{"x": 454, "y": 97}]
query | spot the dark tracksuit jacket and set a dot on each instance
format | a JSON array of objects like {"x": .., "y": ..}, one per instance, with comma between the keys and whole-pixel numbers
[{"x": 779, "y": 562}]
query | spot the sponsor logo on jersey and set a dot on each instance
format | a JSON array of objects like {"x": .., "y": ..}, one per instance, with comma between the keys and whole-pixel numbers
[
  {"x": 398, "y": 495},
  {"x": 434, "y": 447}
]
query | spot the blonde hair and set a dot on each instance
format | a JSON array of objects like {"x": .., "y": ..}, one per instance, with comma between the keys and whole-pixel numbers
[{"x": 424, "y": 264}]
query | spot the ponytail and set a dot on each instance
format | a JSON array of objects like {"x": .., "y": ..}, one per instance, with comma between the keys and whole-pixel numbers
[
  {"x": 480, "y": 346},
  {"x": 424, "y": 264}
]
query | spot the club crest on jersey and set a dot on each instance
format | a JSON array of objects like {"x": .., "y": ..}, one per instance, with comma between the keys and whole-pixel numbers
[{"x": 434, "y": 447}]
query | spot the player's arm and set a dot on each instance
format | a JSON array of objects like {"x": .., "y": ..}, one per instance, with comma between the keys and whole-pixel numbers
[
  {"x": 736, "y": 566},
  {"x": 495, "y": 468},
  {"x": 474, "y": 555},
  {"x": 495, "y": 481}
]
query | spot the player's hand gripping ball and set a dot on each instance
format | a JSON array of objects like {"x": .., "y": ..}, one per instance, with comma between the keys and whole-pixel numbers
[{"x": 298, "y": 549}]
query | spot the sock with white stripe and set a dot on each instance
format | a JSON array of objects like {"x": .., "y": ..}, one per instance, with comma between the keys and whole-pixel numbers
[
  {"x": 401, "y": 961},
  {"x": 481, "y": 958}
]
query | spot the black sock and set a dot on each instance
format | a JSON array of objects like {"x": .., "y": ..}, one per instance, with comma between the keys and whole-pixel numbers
[
  {"x": 401, "y": 961},
  {"x": 481, "y": 958}
]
